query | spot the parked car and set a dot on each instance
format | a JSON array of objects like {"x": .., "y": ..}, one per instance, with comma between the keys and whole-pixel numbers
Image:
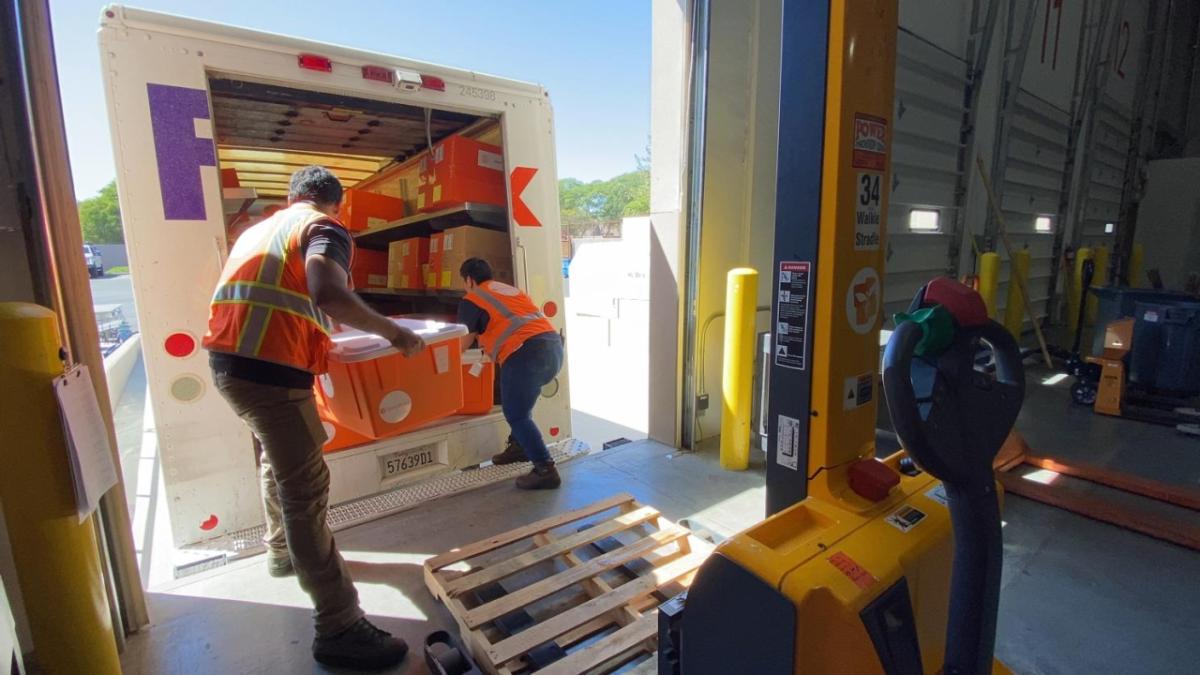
[{"x": 95, "y": 263}]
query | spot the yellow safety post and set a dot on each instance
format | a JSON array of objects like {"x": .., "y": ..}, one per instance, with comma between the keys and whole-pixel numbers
[
  {"x": 737, "y": 372},
  {"x": 1099, "y": 279},
  {"x": 1014, "y": 311},
  {"x": 1076, "y": 292},
  {"x": 989, "y": 279},
  {"x": 1136, "y": 260},
  {"x": 56, "y": 556}
]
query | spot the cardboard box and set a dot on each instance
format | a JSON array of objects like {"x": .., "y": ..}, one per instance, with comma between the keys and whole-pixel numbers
[
  {"x": 460, "y": 243},
  {"x": 460, "y": 170},
  {"x": 364, "y": 210},
  {"x": 436, "y": 253},
  {"x": 369, "y": 269},
  {"x": 405, "y": 259}
]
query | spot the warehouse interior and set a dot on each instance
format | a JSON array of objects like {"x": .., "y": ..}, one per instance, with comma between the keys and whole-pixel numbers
[{"x": 1042, "y": 152}]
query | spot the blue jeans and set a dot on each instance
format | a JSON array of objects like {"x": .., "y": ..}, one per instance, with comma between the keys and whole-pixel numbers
[{"x": 522, "y": 377}]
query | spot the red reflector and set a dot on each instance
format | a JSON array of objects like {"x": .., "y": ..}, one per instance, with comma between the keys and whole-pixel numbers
[
  {"x": 314, "y": 62},
  {"x": 550, "y": 309},
  {"x": 378, "y": 74},
  {"x": 179, "y": 345},
  {"x": 434, "y": 83},
  {"x": 554, "y": 431}
]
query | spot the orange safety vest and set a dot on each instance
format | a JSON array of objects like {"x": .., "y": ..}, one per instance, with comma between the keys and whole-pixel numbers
[
  {"x": 261, "y": 308},
  {"x": 512, "y": 318}
]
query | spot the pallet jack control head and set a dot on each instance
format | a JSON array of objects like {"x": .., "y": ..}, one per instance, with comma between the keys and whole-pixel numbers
[{"x": 952, "y": 418}]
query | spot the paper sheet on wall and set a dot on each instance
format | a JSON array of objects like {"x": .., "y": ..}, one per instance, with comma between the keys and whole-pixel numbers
[{"x": 92, "y": 469}]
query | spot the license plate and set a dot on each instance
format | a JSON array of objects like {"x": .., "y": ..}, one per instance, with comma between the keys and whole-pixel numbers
[{"x": 403, "y": 462}]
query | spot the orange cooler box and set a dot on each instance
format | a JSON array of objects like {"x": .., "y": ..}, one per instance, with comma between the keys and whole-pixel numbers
[
  {"x": 337, "y": 437},
  {"x": 374, "y": 391},
  {"x": 479, "y": 381}
]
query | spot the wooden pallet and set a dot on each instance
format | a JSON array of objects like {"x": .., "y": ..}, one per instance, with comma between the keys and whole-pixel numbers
[{"x": 582, "y": 587}]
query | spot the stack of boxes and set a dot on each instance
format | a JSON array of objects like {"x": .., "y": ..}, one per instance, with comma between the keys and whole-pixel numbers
[
  {"x": 363, "y": 210},
  {"x": 458, "y": 244},
  {"x": 460, "y": 170},
  {"x": 406, "y": 260}
]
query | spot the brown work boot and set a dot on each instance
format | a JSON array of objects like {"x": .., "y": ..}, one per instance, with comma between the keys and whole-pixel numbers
[
  {"x": 512, "y": 454},
  {"x": 541, "y": 477},
  {"x": 361, "y": 647}
]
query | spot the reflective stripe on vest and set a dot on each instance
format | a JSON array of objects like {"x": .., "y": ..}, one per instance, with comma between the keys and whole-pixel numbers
[
  {"x": 515, "y": 321},
  {"x": 265, "y": 296}
]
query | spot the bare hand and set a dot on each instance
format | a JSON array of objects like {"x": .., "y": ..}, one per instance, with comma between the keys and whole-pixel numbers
[{"x": 406, "y": 342}]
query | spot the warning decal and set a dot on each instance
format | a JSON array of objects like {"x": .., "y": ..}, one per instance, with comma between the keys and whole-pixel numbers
[
  {"x": 870, "y": 142},
  {"x": 905, "y": 518},
  {"x": 858, "y": 391},
  {"x": 938, "y": 494},
  {"x": 787, "y": 448},
  {"x": 863, "y": 300},
  {"x": 791, "y": 330},
  {"x": 846, "y": 565}
]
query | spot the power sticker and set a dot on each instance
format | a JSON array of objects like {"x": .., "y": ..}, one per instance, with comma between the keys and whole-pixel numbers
[
  {"x": 787, "y": 448},
  {"x": 853, "y": 571},
  {"x": 868, "y": 217},
  {"x": 870, "y": 142},
  {"x": 858, "y": 391},
  {"x": 905, "y": 518},
  {"x": 791, "y": 330},
  {"x": 863, "y": 299}
]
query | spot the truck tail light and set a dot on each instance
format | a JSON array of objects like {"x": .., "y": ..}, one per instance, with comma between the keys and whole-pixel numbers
[
  {"x": 434, "y": 83},
  {"x": 315, "y": 62}
]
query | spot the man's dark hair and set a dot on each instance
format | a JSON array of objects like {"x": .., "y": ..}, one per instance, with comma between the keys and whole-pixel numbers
[
  {"x": 315, "y": 184},
  {"x": 476, "y": 269}
]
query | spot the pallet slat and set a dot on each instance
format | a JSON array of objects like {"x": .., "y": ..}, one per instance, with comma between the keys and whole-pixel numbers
[
  {"x": 471, "y": 550},
  {"x": 546, "y": 631},
  {"x": 543, "y": 553},
  {"x": 591, "y": 568},
  {"x": 614, "y": 646}
]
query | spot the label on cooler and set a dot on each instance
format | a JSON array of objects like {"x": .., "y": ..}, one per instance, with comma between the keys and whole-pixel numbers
[
  {"x": 441, "y": 359},
  {"x": 491, "y": 160},
  {"x": 476, "y": 369},
  {"x": 395, "y": 406}
]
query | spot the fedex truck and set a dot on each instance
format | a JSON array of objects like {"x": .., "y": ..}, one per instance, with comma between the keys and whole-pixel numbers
[{"x": 208, "y": 122}]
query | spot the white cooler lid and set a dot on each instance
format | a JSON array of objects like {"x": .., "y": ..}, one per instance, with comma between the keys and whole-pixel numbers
[{"x": 352, "y": 346}]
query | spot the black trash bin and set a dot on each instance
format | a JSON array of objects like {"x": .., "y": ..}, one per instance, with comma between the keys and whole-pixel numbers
[{"x": 1166, "y": 348}]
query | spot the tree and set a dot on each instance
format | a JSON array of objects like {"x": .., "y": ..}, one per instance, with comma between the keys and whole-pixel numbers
[
  {"x": 596, "y": 208},
  {"x": 100, "y": 217}
]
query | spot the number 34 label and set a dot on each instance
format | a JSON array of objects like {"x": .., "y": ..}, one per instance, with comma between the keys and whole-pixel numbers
[{"x": 868, "y": 217}]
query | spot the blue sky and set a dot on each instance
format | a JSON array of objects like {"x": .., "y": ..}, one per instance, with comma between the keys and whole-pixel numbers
[{"x": 593, "y": 56}]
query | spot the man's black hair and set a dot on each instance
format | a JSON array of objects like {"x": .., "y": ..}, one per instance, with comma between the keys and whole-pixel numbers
[
  {"x": 315, "y": 184},
  {"x": 476, "y": 269}
]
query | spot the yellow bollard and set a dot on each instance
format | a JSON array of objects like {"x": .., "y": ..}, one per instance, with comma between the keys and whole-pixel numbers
[
  {"x": 989, "y": 279},
  {"x": 1099, "y": 280},
  {"x": 1014, "y": 311},
  {"x": 1136, "y": 260},
  {"x": 737, "y": 373},
  {"x": 1076, "y": 291},
  {"x": 56, "y": 556}
]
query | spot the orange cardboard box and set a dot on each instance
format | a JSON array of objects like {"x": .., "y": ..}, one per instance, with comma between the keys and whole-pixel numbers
[
  {"x": 363, "y": 210},
  {"x": 369, "y": 269},
  {"x": 436, "y": 253},
  {"x": 405, "y": 259},
  {"x": 460, "y": 170}
]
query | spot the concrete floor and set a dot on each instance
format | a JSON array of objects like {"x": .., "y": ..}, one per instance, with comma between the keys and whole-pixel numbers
[{"x": 1078, "y": 596}]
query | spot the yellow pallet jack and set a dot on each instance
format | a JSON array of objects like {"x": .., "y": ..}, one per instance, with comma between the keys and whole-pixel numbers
[{"x": 862, "y": 565}]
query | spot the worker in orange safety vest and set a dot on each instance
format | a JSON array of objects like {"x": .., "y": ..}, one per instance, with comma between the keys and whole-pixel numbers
[
  {"x": 515, "y": 334},
  {"x": 286, "y": 281}
]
